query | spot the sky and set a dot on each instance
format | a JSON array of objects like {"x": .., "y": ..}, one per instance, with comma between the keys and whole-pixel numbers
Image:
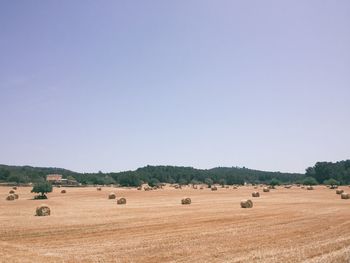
[{"x": 117, "y": 85}]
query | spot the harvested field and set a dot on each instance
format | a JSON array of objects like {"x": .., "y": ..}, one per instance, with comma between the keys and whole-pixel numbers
[{"x": 285, "y": 225}]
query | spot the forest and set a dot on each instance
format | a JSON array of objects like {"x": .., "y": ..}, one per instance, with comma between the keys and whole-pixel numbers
[{"x": 319, "y": 173}]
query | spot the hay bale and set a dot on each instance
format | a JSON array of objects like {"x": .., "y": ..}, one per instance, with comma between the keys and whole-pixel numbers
[
  {"x": 186, "y": 201},
  {"x": 339, "y": 191},
  {"x": 14, "y": 188},
  {"x": 11, "y": 192},
  {"x": 15, "y": 195},
  {"x": 43, "y": 210},
  {"x": 246, "y": 203},
  {"x": 98, "y": 188},
  {"x": 201, "y": 188},
  {"x": 139, "y": 188},
  {"x": 214, "y": 188},
  {"x": 255, "y": 194},
  {"x": 310, "y": 187},
  {"x": 255, "y": 187},
  {"x": 121, "y": 201},
  {"x": 63, "y": 191},
  {"x": 112, "y": 196},
  {"x": 10, "y": 197},
  {"x": 345, "y": 196},
  {"x": 235, "y": 187},
  {"x": 265, "y": 189}
]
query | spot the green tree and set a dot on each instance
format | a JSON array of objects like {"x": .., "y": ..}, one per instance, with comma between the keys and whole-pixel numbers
[
  {"x": 153, "y": 182},
  {"x": 4, "y": 174},
  {"x": 18, "y": 178},
  {"x": 71, "y": 178},
  {"x": 222, "y": 182},
  {"x": 182, "y": 181},
  {"x": 209, "y": 182},
  {"x": 274, "y": 182},
  {"x": 309, "y": 181},
  {"x": 42, "y": 188},
  {"x": 331, "y": 182}
]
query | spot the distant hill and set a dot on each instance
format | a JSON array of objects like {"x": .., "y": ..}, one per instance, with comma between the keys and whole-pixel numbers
[
  {"x": 25, "y": 174},
  {"x": 151, "y": 175}
]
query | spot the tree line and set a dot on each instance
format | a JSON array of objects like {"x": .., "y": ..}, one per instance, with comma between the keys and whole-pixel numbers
[{"x": 321, "y": 172}]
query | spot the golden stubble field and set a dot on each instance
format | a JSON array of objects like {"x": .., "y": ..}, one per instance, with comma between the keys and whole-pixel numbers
[{"x": 285, "y": 225}]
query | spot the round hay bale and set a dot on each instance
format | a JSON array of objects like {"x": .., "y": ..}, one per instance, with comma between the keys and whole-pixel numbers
[
  {"x": 265, "y": 189},
  {"x": 112, "y": 196},
  {"x": 16, "y": 196},
  {"x": 11, "y": 192},
  {"x": 14, "y": 188},
  {"x": 63, "y": 191},
  {"x": 255, "y": 187},
  {"x": 345, "y": 196},
  {"x": 310, "y": 187},
  {"x": 339, "y": 191},
  {"x": 235, "y": 187},
  {"x": 246, "y": 203},
  {"x": 10, "y": 197},
  {"x": 214, "y": 188},
  {"x": 98, "y": 188},
  {"x": 186, "y": 201},
  {"x": 121, "y": 201},
  {"x": 43, "y": 210},
  {"x": 139, "y": 188},
  {"x": 255, "y": 194},
  {"x": 201, "y": 188}
]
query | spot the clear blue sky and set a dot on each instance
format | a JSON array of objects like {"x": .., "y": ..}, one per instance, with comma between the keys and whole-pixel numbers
[{"x": 115, "y": 85}]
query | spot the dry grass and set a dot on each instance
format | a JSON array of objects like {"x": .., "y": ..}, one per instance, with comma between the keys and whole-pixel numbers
[{"x": 286, "y": 225}]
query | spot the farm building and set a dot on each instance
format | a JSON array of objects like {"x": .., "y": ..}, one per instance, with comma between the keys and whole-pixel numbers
[
  {"x": 57, "y": 179},
  {"x": 54, "y": 178}
]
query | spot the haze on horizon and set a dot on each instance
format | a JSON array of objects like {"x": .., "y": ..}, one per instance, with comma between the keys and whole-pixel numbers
[{"x": 117, "y": 85}]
